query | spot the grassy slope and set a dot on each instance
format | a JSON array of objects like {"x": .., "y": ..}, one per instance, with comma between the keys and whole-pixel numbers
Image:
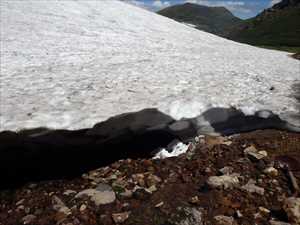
[
  {"x": 280, "y": 29},
  {"x": 274, "y": 28},
  {"x": 216, "y": 20}
]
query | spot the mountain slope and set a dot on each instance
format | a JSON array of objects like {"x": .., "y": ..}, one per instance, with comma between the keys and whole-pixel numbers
[
  {"x": 216, "y": 20},
  {"x": 277, "y": 26},
  {"x": 71, "y": 64}
]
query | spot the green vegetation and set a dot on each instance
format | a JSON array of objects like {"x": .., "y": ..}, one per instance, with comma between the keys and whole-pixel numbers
[
  {"x": 290, "y": 49},
  {"x": 216, "y": 20},
  {"x": 275, "y": 28}
]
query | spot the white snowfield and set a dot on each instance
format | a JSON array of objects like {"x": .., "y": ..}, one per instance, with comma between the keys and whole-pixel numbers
[{"x": 70, "y": 64}]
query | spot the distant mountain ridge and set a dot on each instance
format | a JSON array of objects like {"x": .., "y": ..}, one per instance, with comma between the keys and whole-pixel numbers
[
  {"x": 216, "y": 20},
  {"x": 276, "y": 26}
]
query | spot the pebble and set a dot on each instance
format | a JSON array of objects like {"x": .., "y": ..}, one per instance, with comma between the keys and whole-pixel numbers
[
  {"x": 224, "y": 220},
  {"x": 159, "y": 205},
  {"x": 152, "y": 180},
  {"x": 20, "y": 202},
  {"x": 29, "y": 219},
  {"x": 69, "y": 192},
  {"x": 120, "y": 217},
  {"x": 254, "y": 154},
  {"x": 263, "y": 210},
  {"x": 226, "y": 170},
  {"x": 271, "y": 171},
  {"x": 126, "y": 194},
  {"x": 82, "y": 208},
  {"x": 152, "y": 189},
  {"x": 239, "y": 214}
]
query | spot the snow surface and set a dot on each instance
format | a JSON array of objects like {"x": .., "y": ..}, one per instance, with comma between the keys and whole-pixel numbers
[
  {"x": 70, "y": 64},
  {"x": 177, "y": 150}
]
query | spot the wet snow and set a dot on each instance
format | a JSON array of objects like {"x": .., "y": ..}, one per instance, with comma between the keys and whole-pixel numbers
[{"x": 70, "y": 64}]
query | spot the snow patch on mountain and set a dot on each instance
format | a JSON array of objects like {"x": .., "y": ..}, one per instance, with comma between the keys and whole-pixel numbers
[{"x": 70, "y": 64}]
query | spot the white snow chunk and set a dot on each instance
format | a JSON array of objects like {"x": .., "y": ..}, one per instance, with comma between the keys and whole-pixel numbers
[{"x": 177, "y": 150}]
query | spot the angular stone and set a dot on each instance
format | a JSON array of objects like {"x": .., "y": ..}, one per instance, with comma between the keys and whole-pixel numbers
[
  {"x": 226, "y": 170},
  {"x": 152, "y": 180},
  {"x": 225, "y": 181},
  {"x": 60, "y": 206},
  {"x": 271, "y": 171},
  {"x": 263, "y": 210},
  {"x": 252, "y": 188},
  {"x": 29, "y": 219},
  {"x": 292, "y": 208},
  {"x": 69, "y": 192},
  {"x": 224, "y": 220},
  {"x": 120, "y": 217},
  {"x": 192, "y": 216},
  {"x": 102, "y": 195}
]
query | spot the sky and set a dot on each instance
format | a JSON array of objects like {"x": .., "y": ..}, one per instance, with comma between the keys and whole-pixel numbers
[{"x": 241, "y": 8}]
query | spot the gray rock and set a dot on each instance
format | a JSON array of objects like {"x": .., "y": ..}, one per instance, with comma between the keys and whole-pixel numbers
[
  {"x": 252, "y": 188},
  {"x": 226, "y": 170},
  {"x": 120, "y": 217},
  {"x": 103, "y": 194},
  {"x": 224, "y": 181},
  {"x": 69, "y": 192},
  {"x": 224, "y": 220},
  {"x": 60, "y": 206},
  {"x": 252, "y": 153},
  {"x": 29, "y": 219},
  {"x": 193, "y": 216}
]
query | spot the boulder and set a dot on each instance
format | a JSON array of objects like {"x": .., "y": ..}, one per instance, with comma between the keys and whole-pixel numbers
[
  {"x": 102, "y": 195},
  {"x": 224, "y": 181}
]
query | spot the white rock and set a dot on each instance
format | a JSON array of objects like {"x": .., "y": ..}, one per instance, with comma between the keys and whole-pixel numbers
[
  {"x": 102, "y": 195},
  {"x": 254, "y": 154},
  {"x": 263, "y": 210},
  {"x": 69, "y": 192},
  {"x": 29, "y": 219},
  {"x": 224, "y": 181},
  {"x": 120, "y": 217},
  {"x": 252, "y": 188},
  {"x": 226, "y": 170},
  {"x": 271, "y": 171}
]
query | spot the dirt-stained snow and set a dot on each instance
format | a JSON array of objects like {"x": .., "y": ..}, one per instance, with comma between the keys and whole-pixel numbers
[{"x": 70, "y": 64}]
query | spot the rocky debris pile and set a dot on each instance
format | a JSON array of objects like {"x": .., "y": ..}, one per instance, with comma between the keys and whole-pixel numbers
[
  {"x": 241, "y": 179},
  {"x": 296, "y": 55}
]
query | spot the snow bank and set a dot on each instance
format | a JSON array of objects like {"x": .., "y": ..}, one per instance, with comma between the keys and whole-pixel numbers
[
  {"x": 70, "y": 64},
  {"x": 177, "y": 150}
]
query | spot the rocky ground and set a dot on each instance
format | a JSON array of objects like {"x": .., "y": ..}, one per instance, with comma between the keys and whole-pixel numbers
[
  {"x": 251, "y": 178},
  {"x": 297, "y": 55}
]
